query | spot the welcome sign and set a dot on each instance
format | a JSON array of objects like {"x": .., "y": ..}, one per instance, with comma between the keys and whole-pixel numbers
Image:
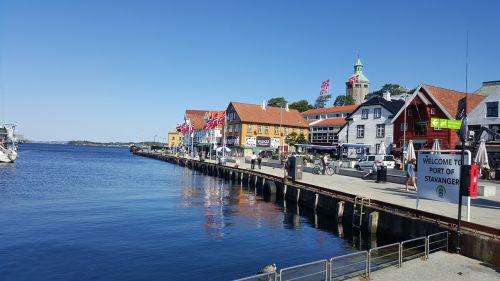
[{"x": 439, "y": 176}]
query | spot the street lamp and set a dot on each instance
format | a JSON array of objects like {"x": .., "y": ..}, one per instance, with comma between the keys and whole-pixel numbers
[{"x": 154, "y": 140}]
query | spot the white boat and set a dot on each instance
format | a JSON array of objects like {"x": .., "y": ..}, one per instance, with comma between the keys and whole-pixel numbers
[{"x": 8, "y": 143}]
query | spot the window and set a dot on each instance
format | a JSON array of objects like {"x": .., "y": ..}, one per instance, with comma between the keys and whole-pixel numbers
[
  {"x": 286, "y": 131},
  {"x": 404, "y": 127},
  {"x": 230, "y": 128},
  {"x": 433, "y": 111},
  {"x": 380, "y": 130},
  {"x": 421, "y": 128},
  {"x": 259, "y": 129},
  {"x": 302, "y": 131},
  {"x": 276, "y": 130},
  {"x": 249, "y": 128},
  {"x": 236, "y": 128},
  {"x": 377, "y": 147},
  {"x": 267, "y": 129},
  {"x": 294, "y": 130},
  {"x": 364, "y": 113},
  {"x": 408, "y": 113},
  {"x": 377, "y": 112},
  {"x": 360, "y": 131},
  {"x": 492, "y": 109}
]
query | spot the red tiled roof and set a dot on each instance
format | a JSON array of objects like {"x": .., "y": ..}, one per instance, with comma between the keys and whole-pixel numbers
[
  {"x": 196, "y": 117},
  {"x": 449, "y": 99},
  {"x": 254, "y": 113},
  {"x": 345, "y": 108},
  {"x": 330, "y": 122}
]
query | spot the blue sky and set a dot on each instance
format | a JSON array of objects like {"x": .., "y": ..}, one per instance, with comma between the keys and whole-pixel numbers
[{"x": 126, "y": 70}]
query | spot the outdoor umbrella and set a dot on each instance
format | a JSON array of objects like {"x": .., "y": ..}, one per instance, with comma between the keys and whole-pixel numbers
[
  {"x": 381, "y": 149},
  {"x": 225, "y": 148},
  {"x": 435, "y": 146},
  {"x": 482, "y": 156},
  {"x": 410, "y": 151}
]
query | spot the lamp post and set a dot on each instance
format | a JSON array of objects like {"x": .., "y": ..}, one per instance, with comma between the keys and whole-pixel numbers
[
  {"x": 154, "y": 140},
  {"x": 405, "y": 125}
]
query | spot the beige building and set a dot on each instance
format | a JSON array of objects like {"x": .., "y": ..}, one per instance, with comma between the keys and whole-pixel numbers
[{"x": 174, "y": 138}]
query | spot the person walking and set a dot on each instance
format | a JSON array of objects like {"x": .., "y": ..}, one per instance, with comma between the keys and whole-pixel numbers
[
  {"x": 411, "y": 175},
  {"x": 259, "y": 160},
  {"x": 252, "y": 161}
]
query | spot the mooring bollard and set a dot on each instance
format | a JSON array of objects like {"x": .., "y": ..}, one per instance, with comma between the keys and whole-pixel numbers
[
  {"x": 340, "y": 210},
  {"x": 373, "y": 222}
]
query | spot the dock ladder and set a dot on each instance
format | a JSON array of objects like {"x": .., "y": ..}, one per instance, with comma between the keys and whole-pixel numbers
[{"x": 357, "y": 214}]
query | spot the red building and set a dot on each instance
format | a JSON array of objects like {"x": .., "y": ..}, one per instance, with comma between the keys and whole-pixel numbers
[{"x": 421, "y": 105}]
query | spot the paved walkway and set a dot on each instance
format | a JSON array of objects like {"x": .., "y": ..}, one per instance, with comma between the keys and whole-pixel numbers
[
  {"x": 440, "y": 266},
  {"x": 484, "y": 210}
]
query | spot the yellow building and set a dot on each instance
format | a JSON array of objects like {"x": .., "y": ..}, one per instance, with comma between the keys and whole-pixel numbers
[
  {"x": 251, "y": 128},
  {"x": 174, "y": 138}
]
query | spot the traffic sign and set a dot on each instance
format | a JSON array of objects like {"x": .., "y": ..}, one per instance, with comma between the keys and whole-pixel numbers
[{"x": 446, "y": 123}]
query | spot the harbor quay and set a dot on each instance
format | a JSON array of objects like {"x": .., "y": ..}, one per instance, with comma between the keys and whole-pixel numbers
[{"x": 372, "y": 207}]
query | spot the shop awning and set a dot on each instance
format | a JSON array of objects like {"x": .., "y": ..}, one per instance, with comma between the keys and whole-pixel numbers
[
  {"x": 352, "y": 145},
  {"x": 318, "y": 147}
]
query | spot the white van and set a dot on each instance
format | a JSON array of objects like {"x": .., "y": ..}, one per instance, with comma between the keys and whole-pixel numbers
[{"x": 367, "y": 161}]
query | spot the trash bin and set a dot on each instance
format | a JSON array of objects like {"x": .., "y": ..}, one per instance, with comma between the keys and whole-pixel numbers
[
  {"x": 382, "y": 174},
  {"x": 295, "y": 167}
]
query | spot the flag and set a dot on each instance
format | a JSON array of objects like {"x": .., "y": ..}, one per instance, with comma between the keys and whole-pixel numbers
[
  {"x": 354, "y": 79},
  {"x": 222, "y": 118},
  {"x": 324, "y": 87},
  {"x": 178, "y": 128},
  {"x": 462, "y": 133},
  {"x": 215, "y": 120}
]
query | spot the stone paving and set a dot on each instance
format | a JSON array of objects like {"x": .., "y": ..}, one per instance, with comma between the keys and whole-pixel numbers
[{"x": 484, "y": 210}]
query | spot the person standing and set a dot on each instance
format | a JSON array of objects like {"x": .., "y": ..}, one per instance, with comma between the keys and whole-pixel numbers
[
  {"x": 324, "y": 160},
  {"x": 252, "y": 161},
  {"x": 259, "y": 160},
  {"x": 411, "y": 175}
]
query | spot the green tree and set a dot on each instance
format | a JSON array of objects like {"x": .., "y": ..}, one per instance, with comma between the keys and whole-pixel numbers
[
  {"x": 301, "y": 105},
  {"x": 394, "y": 89},
  {"x": 322, "y": 100},
  {"x": 291, "y": 139},
  {"x": 343, "y": 100},
  {"x": 277, "y": 102},
  {"x": 301, "y": 139}
]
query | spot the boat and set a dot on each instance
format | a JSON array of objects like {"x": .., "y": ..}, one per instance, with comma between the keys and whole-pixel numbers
[{"x": 8, "y": 143}]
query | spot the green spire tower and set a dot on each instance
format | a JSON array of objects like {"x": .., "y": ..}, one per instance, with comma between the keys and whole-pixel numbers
[{"x": 357, "y": 84}]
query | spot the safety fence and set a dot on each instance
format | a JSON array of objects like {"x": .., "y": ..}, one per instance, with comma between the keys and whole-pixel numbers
[{"x": 360, "y": 263}]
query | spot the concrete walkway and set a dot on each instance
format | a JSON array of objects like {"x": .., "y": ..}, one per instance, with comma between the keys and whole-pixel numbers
[
  {"x": 440, "y": 266},
  {"x": 484, "y": 210}
]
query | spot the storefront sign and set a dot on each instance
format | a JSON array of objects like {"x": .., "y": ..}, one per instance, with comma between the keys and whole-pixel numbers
[
  {"x": 438, "y": 177},
  {"x": 251, "y": 141},
  {"x": 275, "y": 142},
  {"x": 446, "y": 123},
  {"x": 263, "y": 141}
]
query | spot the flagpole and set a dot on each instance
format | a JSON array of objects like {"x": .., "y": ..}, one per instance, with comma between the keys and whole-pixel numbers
[{"x": 463, "y": 137}]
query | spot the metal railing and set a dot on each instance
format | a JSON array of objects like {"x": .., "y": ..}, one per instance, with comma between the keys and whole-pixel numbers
[
  {"x": 437, "y": 242},
  {"x": 360, "y": 263},
  {"x": 383, "y": 256},
  {"x": 349, "y": 265},
  {"x": 317, "y": 270},
  {"x": 260, "y": 277}
]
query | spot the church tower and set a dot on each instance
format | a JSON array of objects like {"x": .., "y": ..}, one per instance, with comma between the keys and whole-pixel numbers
[{"x": 357, "y": 85}]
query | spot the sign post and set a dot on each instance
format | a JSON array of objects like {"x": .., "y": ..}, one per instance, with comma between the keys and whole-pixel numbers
[
  {"x": 439, "y": 176},
  {"x": 446, "y": 123}
]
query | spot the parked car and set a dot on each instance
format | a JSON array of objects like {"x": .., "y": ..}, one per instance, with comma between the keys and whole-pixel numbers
[{"x": 367, "y": 161}]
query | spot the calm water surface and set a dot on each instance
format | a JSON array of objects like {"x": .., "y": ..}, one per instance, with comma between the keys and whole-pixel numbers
[{"x": 84, "y": 213}]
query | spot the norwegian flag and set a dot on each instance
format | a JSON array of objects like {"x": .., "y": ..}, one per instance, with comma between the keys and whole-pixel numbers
[
  {"x": 354, "y": 79},
  {"x": 215, "y": 119},
  {"x": 178, "y": 128},
  {"x": 222, "y": 118},
  {"x": 324, "y": 87}
]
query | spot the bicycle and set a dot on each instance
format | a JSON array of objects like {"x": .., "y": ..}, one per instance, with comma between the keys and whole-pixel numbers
[{"x": 317, "y": 169}]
